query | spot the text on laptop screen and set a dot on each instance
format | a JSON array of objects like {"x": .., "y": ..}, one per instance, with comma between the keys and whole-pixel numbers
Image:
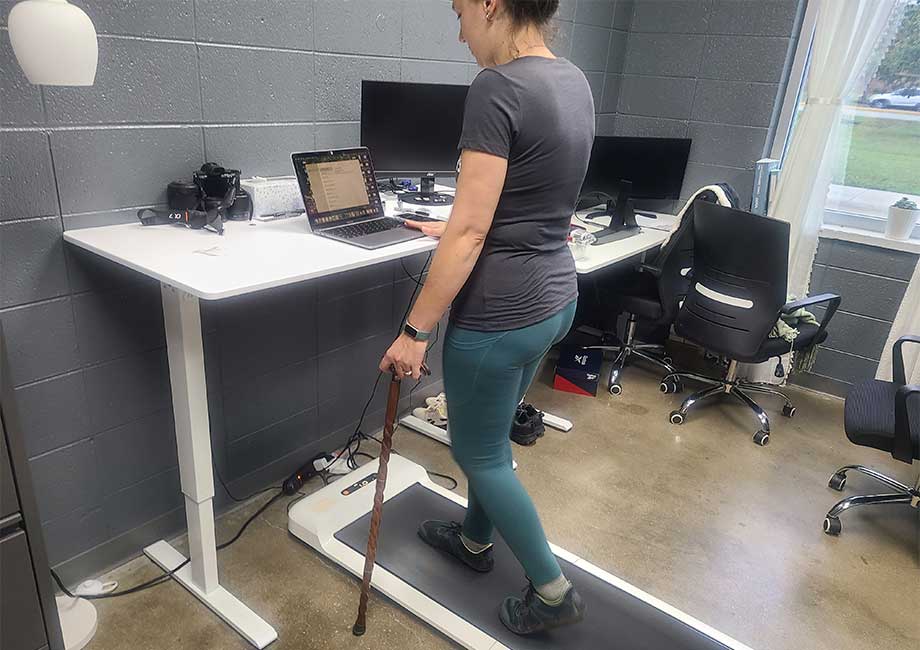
[{"x": 338, "y": 187}]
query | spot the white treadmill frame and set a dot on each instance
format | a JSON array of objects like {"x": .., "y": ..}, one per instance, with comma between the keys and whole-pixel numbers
[{"x": 317, "y": 518}]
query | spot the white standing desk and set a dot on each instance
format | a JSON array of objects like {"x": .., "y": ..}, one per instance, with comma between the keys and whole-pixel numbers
[
  {"x": 653, "y": 233},
  {"x": 194, "y": 265}
]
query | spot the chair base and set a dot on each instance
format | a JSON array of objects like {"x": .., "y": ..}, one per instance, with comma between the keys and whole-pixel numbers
[
  {"x": 904, "y": 495},
  {"x": 730, "y": 385},
  {"x": 628, "y": 349}
]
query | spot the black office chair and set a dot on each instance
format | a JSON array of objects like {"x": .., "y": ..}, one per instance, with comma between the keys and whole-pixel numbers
[
  {"x": 884, "y": 415},
  {"x": 653, "y": 293},
  {"x": 737, "y": 292}
]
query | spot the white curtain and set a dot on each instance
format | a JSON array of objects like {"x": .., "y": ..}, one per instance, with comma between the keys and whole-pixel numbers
[
  {"x": 906, "y": 322},
  {"x": 847, "y": 33}
]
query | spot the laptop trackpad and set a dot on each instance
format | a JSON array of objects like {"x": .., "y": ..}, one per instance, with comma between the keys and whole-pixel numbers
[{"x": 387, "y": 237}]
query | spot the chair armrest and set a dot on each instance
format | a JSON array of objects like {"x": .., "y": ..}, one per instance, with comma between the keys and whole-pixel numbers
[
  {"x": 897, "y": 358},
  {"x": 832, "y": 300},
  {"x": 903, "y": 448},
  {"x": 650, "y": 269}
]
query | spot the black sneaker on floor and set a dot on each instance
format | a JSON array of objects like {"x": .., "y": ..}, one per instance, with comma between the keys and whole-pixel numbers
[
  {"x": 532, "y": 615},
  {"x": 527, "y": 425},
  {"x": 445, "y": 536}
]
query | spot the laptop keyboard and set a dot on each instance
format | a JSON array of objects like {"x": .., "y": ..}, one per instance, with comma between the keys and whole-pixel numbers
[{"x": 366, "y": 228}]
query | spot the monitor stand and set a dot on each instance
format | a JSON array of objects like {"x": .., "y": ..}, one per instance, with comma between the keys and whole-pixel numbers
[
  {"x": 622, "y": 218},
  {"x": 426, "y": 194}
]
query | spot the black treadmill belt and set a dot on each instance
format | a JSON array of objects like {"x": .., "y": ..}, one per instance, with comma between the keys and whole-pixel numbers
[{"x": 615, "y": 619}]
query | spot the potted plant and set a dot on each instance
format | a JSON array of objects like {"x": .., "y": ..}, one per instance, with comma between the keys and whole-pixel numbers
[{"x": 902, "y": 217}]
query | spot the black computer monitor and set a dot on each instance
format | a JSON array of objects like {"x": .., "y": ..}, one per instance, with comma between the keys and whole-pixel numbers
[
  {"x": 412, "y": 129},
  {"x": 654, "y": 166}
]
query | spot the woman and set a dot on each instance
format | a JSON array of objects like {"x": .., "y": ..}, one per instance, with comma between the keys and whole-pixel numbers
[{"x": 504, "y": 264}]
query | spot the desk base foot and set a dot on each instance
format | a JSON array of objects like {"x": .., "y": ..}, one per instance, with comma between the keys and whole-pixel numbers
[{"x": 242, "y": 619}]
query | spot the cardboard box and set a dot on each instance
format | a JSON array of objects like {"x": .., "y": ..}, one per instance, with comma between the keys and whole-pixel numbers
[{"x": 578, "y": 370}]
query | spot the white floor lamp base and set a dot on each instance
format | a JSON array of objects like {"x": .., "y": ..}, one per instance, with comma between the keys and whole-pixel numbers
[{"x": 78, "y": 621}]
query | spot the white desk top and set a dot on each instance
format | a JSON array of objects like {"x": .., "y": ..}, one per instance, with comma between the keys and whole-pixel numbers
[{"x": 261, "y": 255}]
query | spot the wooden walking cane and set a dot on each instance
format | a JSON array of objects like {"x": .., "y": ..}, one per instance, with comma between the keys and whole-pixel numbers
[{"x": 370, "y": 555}]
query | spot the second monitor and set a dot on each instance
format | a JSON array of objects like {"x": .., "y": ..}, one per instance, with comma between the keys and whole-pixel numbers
[{"x": 412, "y": 129}]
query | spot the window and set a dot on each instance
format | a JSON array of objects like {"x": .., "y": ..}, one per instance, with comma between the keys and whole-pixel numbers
[{"x": 877, "y": 153}]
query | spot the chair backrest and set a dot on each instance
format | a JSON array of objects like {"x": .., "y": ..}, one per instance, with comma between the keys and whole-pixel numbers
[{"x": 738, "y": 282}]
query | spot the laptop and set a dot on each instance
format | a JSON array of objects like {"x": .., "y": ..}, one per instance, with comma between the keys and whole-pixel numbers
[{"x": 340, "y": 195}]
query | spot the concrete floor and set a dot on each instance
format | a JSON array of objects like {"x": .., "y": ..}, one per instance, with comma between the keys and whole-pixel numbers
[{"x": 696, "y": 515}]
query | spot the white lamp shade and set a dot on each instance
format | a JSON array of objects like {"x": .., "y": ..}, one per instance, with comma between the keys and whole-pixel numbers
[{"x": 54, "y": 42}]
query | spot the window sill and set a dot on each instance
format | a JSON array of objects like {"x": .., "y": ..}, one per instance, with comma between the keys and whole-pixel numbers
[{"x": 869, "y": 238}]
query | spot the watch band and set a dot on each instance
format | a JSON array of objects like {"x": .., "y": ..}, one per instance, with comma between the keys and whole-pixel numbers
[{"x": 416, "y": 333}]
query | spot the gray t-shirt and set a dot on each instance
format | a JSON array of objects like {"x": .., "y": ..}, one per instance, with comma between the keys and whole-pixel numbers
[{"x": 539, "y": 114}]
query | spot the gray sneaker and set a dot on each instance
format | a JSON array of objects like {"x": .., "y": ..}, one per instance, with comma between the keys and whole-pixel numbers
[
  {"x": 533, "y": 615},
  {"x": 445, "y": 536}
]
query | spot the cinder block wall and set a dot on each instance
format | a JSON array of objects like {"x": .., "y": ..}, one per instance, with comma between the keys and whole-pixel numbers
[{"x": 243, "y": 83}]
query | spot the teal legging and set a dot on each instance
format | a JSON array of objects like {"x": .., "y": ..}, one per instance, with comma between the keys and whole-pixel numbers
[{"x": 485, "y": 376}]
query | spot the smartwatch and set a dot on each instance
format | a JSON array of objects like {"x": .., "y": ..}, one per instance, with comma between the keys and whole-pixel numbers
[{"x": 415, "y": 333}]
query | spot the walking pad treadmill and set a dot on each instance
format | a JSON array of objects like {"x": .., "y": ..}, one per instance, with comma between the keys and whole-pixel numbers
[{"x": 463, "y": 604}]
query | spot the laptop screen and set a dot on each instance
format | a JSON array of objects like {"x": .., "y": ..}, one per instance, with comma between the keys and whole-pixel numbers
[{"x": 337, "y": 186}]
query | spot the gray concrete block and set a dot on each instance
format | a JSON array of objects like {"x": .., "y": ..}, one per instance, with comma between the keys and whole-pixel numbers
[
  {"x": 351, "y": 370},
  {"x": 359, "y": 26},
  {"x": 118, "y": 323},
  {"x": 74, "y": 533},
  {"x": 281, "y": 23},
  {"x": 256, "y": 402},
  {"x": 864, "y": 294},
  {"x": 22, "y": 102},
  {"x": 611, "y": 94},
  {"x": 126, "y": 389},
  {"x": 65, "y": 479},
  {"x": 699, "y": 174},
  {"x": 595, "y": 12},
  {"x": 623, "y": 14},
  {"x": 822, "y": 384},
  {"x": 89, "y": 272},
  {"x": 671, "y": 16},
  {"x": 590, "y": 46},
  {"x": 246, "y": 85},
  {"x": 53, "y": 413},
  {"x": 339, "y": 285},
  {"x": 566, "y": 10},
  {"x": 855, "y": 334},
  {"x": 42, "y": 340},
  {"x": 338, "y": 84},
  {"x": 136, "y": 451},
  {"x": 673, "y": 55},
  {"x": 844, "y": 367},
  {"x": 760, "y": 17},
  {"x": 258, "y": 150},
  {"x": 31, "y": 261},
  {"x": 120, "y": 157},
  {"x": 596, "y": 81},
  {"x": 25, "y": 173},
  {"x": 105, "y": 217},
  {"x": 745, "y": 58},
  {"x": 344, "y": 410},
  {"x": 434, "y": 72},
  {"x": 616, "y": 57},
  {"x": 259, "y": 449},
  {"x": 734, "y": 102},
  {"x": 729, "y": 146},
  {"x": 656, "y": 96},
  {"x": 606, "y": 125},
  {"x": 136, "y": 81},
  {"x": 142, "y": 502},
  {"x": 650, "y": 127},
  {"x": 430, "y": 30},
  {"x": 559, "y": 38},
  {"x": 338, "y": 135},
  {"x": 172, "y": 18},
  {"x": 867, "y": 259},
  {"x": 414, "y": 266},
  {"x": 354, "y": 317}
]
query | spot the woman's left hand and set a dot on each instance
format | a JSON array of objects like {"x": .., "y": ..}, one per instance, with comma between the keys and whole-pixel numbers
[{"x": 406, "y": 355}]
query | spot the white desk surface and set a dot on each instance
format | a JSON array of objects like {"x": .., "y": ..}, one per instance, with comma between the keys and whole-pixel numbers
[{"x": 252, "y": 256}]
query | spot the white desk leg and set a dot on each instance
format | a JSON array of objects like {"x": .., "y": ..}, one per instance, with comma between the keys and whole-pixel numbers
[{"x": 193, "y": 435}]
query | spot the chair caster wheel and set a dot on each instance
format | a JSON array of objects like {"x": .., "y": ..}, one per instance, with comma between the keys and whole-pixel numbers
[
  {"x": 615, "y": 389},
  {"x": 837, "y": 482},
  {"x": 762, "y": 438},
  {"x": 668, "y": 360},
  {"x": 788, "y": 411},
  {"x": 832, "y": 526},
  {"x": 677, "y": 417},
  {"x": 669, "y": 386}
]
